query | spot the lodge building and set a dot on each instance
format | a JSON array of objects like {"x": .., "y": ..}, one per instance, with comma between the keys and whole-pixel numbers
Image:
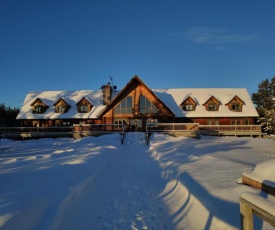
[{"x": 136, "y": 105}]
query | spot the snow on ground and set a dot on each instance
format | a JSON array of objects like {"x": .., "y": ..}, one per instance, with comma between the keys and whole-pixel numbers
[{"x": 97, "y": 183}]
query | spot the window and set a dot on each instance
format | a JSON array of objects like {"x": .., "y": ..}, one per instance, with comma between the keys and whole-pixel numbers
[
  {"x": 60, "y": 109},
  {"x": 38, "y": 109},
  {"x": 38, "y": 106},
  {"x": 188, "y": 107},
  {"x": 246, "y": 122},
  {"x": 120, "y": 122},
  {"x": 236, "y": 122},
  {"x": 212, "y": 104},
  {"x": 146, "y": 106},
  {"x": 152, "y": 120},
  {"x": 235, "y": 104},
  {"x": 125, "y": 106},
  {"x": 213, "y": 122},
  {"x": 83, "y": 109},
  {"x": 212, "y": 107},
  {"x": 237, "y": 107}
]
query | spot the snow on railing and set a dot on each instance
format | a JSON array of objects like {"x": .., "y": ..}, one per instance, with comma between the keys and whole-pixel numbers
[{"x": 250, "y": 204}]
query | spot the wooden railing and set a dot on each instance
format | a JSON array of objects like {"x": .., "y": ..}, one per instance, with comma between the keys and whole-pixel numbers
[
  {"x": 12, "y": 130},
  {"x": 221, "y": 130},
  {"x": 215, "y": 130},
  {"x": 173, "y": 127},
  {"x": 218, "y": 130},
  {"x": 250, "y": 204},
  {"x": 97, "y": 127}
]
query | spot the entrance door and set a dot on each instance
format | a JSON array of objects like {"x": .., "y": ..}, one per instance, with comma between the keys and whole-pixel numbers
[{"x": 136, "y": 125}]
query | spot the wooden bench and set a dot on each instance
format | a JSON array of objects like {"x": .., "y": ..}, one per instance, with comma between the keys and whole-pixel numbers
[{"x": 250, "y": 204}]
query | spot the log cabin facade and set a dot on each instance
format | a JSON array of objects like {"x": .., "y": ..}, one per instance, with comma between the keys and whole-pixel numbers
[{"x": 137, "y": 104}]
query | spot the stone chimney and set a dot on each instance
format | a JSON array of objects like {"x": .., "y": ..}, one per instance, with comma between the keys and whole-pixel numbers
[{"x": 107, "y": 93}]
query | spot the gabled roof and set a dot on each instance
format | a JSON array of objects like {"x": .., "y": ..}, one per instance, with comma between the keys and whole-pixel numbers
[
  {"x": 188, "y": 98},
  {"x": 72, "y": 98},
  {"x": 61, "y": 99},
  {"x": 82, "y": 99},
  {"x": 170, "y": 98},
  {"x": 134, "y": 82},
  {"x": 210, "y": 99},
  {"x": 37, "y": 100},
  {"x": 235, "y": 98},
  {"x": 173, "y": 98}
]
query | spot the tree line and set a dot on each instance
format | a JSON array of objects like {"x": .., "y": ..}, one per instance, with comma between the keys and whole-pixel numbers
[
  {"x": 8, "y": 115},
  {"x": 264, "y": 100}
]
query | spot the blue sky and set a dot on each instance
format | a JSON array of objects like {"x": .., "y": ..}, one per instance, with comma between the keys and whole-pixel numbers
[{"x": 72, "y": 45}]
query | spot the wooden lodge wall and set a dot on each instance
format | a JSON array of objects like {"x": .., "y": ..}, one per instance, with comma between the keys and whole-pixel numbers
[{"x": 135, "y": 90}]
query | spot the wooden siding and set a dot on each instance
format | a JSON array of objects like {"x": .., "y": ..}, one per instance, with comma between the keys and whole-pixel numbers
[{"x": 135, "y": 90}]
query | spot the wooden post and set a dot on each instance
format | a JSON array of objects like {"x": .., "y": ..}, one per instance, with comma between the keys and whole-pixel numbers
[{"x": 246, "y": 216}]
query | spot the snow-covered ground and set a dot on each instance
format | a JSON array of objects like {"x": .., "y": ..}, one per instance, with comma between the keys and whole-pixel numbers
[{"x": 97, "y": 183}]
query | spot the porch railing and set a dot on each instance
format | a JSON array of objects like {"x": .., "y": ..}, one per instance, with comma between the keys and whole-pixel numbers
[
  {"x": 230, "y": 129},
  {"x": 172, "y": 127},
  {"x": 55, "y": 129},
  {"x": 97, "y": 127},
  {"x": 218, "y": 130}
]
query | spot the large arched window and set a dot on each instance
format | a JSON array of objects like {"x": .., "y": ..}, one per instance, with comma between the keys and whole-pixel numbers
[{"x": 146, "y": 106}]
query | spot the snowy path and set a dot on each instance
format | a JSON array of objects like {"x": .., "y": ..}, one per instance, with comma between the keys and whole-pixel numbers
[{"x": 121, "y": 195}]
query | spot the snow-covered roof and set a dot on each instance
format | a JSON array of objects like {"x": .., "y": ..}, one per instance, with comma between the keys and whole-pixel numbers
[
  {"x": 71, "y": 97},
  {"x": 172, "y": 98}
]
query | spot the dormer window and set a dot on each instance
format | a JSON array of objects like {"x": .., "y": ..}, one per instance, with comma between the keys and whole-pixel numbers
[
  {"x": 61, "y": 106},
  {"x": 189, "y": 104},
  {"x": 236, "y": 104},
  {"x": 84, "y": 106},
  {"x": 38, "y": 106},
  {"x": 212, "y": 107},
  {"x": 83, "y": 109},
  {"x": 38, "y": 109},
  {"x": 60, "y": 109},
  {"x": 188, "y": 107},
  {"x": 212, "y": 104},
  {"x": 236, "y": 107}
]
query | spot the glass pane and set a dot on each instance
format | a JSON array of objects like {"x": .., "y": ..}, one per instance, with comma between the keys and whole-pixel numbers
[
  {"x": 142, "y": 102},
  {"x": 129, "y": 102},
  {"x": 123, "y": 103}
]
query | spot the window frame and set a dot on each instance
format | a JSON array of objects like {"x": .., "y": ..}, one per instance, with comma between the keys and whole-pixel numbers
[
  {"x": 186, "y": 107},
  {"x": 146, "y": 106},
  {"x": 236, "y": 107},
  {"x": 212, "y": 106},
  {"x": 125, "y": 106}
]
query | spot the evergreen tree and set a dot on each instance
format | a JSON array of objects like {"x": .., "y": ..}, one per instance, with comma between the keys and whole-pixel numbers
[
  {"x": 264, "y": 100},
  {"x": 8, "y": 115}
]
